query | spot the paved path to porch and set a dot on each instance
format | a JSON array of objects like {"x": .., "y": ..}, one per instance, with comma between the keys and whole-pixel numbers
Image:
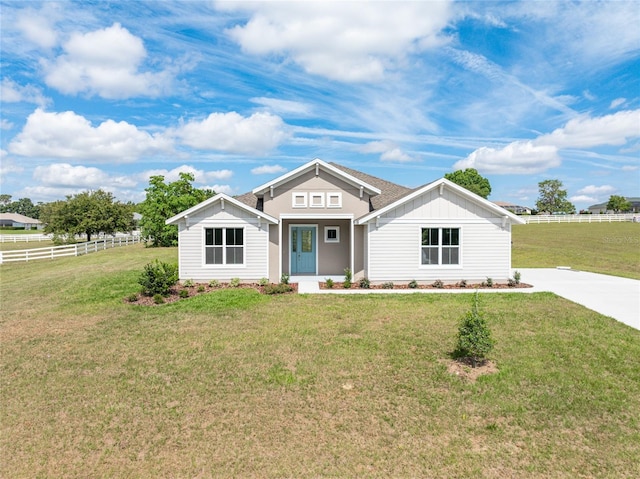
[{"x": 618, "y": 298}]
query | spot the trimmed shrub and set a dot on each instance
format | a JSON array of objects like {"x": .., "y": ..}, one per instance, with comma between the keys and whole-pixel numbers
[
  {"x": 364, "y": 283},
  {"x": 329, "y": 283},
  {"x": 158, "y": 278},
  {"x": 488, "y": 283},
  {"x": 214, "y": 283},
  {"x": 132, "y": 298},
  {"x": 438, "y": 284},
  {"x": 184, "y": 293},
  {"x": 474, "y": 336},
  {"x": 278, "y": 288},
  {"x": 462, "y": 283},
  {"x": 284, "y": 279},
  {"x": 263, "y": 282},
  {"x": 348, "y": 276},
  {"x": 201, "y": 288},
  {"x": 387, "y": 285},
  {"x": 188, "y": 283},
  {"x": 413, "y": 284},
  {"x": 158, "y": 298},
  {"x": 234, "y": 283},
  {"x": 516, "y": 277}
]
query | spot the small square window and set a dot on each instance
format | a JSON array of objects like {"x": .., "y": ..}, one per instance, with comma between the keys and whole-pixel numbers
[
  {"x": 299, "y": 200},
  {"x": 332, "y": 234},
  {"x": 316, "y": 200},
  {"x": 334, "y": 200}
]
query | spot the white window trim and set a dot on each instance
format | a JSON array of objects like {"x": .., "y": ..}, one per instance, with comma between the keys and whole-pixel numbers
[
  {"x": 224, "y": 265},
  {"x": 298, "y": 194},
  {"x": 326, "y": 234},
  {"x": 316, "y": 194},
  {"x": 337, "y": 195},
  {"x": 440, "y": 246}
]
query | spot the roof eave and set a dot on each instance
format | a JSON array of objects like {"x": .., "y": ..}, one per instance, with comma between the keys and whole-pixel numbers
[{"x": 220, "y": 196}]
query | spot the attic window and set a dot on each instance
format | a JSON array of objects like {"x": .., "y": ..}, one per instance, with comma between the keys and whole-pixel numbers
[
  {"x": 334, "y": 200},
  {"x": 316, "y": 200},
  {"x": 299, "y": 200}
]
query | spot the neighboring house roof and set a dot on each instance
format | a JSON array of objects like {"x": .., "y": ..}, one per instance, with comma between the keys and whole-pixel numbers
[
  {"x": 442, "y": 182},
  {"x": 635, "y": 203},
  {"x": 220, "y": 197},
  {"x": 18, "y": 218}
]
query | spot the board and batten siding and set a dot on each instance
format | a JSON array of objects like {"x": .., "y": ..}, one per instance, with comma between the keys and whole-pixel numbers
[
  {"x": 395, "y": 242},
  {"x": 191, "y": 252}
]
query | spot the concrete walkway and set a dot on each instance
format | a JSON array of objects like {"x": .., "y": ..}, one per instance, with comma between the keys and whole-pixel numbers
[{"x": 618, "y": 298}]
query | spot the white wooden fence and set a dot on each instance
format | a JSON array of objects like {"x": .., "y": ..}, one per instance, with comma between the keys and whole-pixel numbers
[
  {"x": 67, "y": 250},
  {"x": 635, "y": 217},
  {"x": 26, "y": 238}
]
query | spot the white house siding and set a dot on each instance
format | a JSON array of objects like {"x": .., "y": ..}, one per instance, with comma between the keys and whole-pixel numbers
[
  {"x": 256, "y": 243},
  {"x": 394, "y": 244}
]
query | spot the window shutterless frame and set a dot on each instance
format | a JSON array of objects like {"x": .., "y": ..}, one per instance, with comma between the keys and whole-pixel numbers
[
  {"x": 224, "y": 246},
  {"x": 440, "y": 246}
]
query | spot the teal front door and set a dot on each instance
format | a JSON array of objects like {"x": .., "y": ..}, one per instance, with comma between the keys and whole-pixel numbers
[{"x": 303, "y": 250}]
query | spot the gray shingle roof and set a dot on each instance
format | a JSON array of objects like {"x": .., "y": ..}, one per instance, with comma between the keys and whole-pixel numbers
[{"x": 390, "y": 192}]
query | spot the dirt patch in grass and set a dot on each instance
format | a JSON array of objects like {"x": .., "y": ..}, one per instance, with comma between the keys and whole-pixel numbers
[
  {"x": 176, "y": 294},
  {"x": 463, "y": 368}
]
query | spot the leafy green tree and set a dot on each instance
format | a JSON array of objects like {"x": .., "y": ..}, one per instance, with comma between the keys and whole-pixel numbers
[
  {"x": 23, "y": 206},
  {"x": 553, "y": 199},
  {"x": 165, "y": 200},
  {"x": 89, "y": 213},
  {"x": 618, "y": 204},
  {"x": 471, "y": 180}
]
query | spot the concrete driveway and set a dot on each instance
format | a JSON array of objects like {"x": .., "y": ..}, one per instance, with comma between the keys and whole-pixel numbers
[{"x": 618, "y": 298}]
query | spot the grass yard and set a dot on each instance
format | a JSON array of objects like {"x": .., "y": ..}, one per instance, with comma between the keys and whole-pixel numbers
[
  {"x": 608, "y": 248},
  {"x": 235, "y": 384}
]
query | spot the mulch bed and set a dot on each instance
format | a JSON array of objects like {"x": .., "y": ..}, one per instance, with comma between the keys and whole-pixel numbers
[
  {"x": 197, "y": 289},
  {"x": 470, "y": 286}
]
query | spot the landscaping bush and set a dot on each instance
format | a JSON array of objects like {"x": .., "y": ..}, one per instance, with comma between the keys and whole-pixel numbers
[
  {"x": 158, "y": 298},
  {"x": 462, "y": 283},
  {"x": 516, "y": 277},
  {"x": 329, "y": 283},
  {"x": 201, "y": 288},
  {"x": 263, "y": 282},
  {"x": 413, "y": 284},
  {"x": 438, "y": 284},
  {"x": 184, "y": 293},
  {"x": 474, "y": 336},
  {"x": 158, "y": 278},
  {"x": 132, "y": 298},
  {"x": 387, "y": 285},
  {"x": 364, "y": 283},
  {"x": 284, "y": 279},
  {"x": 214, "y": 283},
  {"x": 278, "y": 288},
  {"x": 188, "y": 283},
  {"x": 234, "y": 283},
  {"x": 348, "y": 276}
]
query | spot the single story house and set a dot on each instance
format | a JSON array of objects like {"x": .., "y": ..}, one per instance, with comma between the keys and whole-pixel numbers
[
  {"x": 517, "y": 209},
  {"x": 601, "y": 208},
  {"x": 322, "y": 217},
  {"x": 16, "y": 220}
]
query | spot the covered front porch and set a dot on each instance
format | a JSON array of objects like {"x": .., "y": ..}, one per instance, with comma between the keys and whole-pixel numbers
[{"x": 319, "y": 247}]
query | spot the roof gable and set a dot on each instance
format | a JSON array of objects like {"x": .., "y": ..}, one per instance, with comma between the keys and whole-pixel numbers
[
  {"x": 220, "y": 197},
  {"x": 442, "y": 183},
  {"x": 317, "y": 164}
]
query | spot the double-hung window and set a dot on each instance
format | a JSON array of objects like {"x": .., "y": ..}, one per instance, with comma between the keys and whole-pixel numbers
[
  {"x": 224, "y": 246},
  {"x": 440, "y": 246}
]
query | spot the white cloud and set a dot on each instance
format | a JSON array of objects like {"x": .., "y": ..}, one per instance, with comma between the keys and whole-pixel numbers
[
  {"x": 540, "y": 154},
  {"x": 596, "y": 190},
  {"x": 64, "y": 175},
  {"x": 11, "y": 92},
  {"x": 388, "y": 150},
  {"x": 583, "y": 199},
  {"x": 37, "y": 27},
  {"x": 586, "y": 132},
  {"x": 220, "y": 189},
  {"x": 71, "y": 136},
  {"x": 106, "y": 63},
  {"x": 519, "y": 157},
  {"x": 268, "y": 170},
  {"x": 284, "y": 107},
  {"x": 629, "y": 168},
  {"x": 345, "y": 41},
  {"x": 8, "y": 165},
  {"x": 617, "y": 102},
  {"x": 233, "y": 133},
  {"x": 200, "y": 176},
  {"x": 5, "y": 124}
]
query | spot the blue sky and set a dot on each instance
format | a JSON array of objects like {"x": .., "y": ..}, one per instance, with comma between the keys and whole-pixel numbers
[{"x": 106, "y": 94}]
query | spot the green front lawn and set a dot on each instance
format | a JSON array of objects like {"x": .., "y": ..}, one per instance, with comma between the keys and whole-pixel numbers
[{"x": 236, "y": 384}]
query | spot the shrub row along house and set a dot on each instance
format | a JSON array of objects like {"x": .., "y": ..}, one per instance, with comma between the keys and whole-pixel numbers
[{"x": 323, "y": 217}]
